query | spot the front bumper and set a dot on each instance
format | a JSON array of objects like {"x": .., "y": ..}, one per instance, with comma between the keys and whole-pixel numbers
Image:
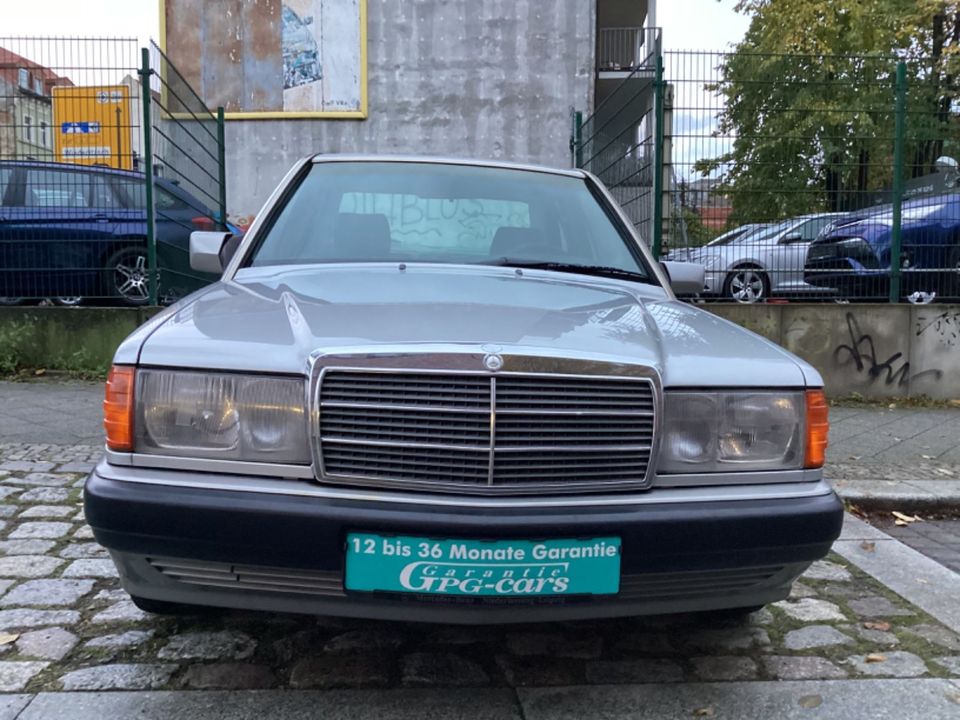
[{"x": 285, "y": 552}]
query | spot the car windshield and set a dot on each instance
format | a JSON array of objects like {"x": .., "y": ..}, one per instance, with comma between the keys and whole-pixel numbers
[
  {"x": 437, "y": 213},
  {"x": 764, "y": 233}
]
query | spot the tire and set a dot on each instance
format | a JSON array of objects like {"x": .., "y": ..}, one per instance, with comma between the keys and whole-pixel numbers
[
  {"x": 746, "y": 285},
  {"x": 126, "y": 276},
  {"x": 72, "y": 301},
  {"x": 162, "y": 607},
  {"x": 10, "y": 301}
]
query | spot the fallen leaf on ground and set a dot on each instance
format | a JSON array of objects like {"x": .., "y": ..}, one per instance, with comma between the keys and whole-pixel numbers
[
  {"x": 904, "y": 517},
  {"x": 868, "y": 545},
  {"x": 875, "y": 658},
  {"x": 703, "y": 712},
  {"x": 927, "y": 457},
  {"x": 39, "y": 371},
  {"x": 877, "y": 625},
  {"x": 944, "y": 471},
  {"x": 8, "y": 638},
  {"x": 900, "y": 523},
  {"x": 811, "y": 701}
]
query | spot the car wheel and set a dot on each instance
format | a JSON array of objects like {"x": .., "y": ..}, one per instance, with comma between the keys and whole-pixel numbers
[
  {"x": 127, "y": 276},
  {"x": 162, "y": 607},
  {"x": 68, "y": 301},
  {"x": 747, "y": 285}
]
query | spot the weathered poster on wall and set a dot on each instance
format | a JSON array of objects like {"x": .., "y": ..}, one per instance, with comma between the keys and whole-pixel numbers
[{"x": 271, "y": 58}]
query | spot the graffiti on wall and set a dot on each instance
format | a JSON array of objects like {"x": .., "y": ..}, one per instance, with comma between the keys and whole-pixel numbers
[
  {"x": 861, "y": 351},
  {"x": 945, "y": 325}
]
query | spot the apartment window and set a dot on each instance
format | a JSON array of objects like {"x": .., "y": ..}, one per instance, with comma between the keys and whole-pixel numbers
[
  {"x": 43, "y": 134},
  {"x": 38, "y": 86},
  {"x": 28, "y": 128},
  {"x": 24, "y": 78}
]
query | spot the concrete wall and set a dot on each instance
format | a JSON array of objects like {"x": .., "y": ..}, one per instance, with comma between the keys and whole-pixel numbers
[
  {"x": 878, "y": 351},
  {"x": 465, "y": 78}
]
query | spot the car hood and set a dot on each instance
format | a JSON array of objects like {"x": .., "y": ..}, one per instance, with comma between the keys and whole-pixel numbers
[{"x": 272, "y": 320}]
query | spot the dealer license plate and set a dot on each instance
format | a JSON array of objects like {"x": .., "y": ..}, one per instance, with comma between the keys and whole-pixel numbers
[{"x": 500, "y": 568}]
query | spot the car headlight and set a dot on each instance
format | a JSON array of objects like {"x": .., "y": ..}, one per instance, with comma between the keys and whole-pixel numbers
[
  {"x": 223, "y": 416},
  {"x": 733, "y": 431}
]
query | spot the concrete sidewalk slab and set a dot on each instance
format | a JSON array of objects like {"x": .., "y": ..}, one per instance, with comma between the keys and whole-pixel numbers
[
  {"x": 438, "y": 704},
  {"x": 823, "y": 700},
  {"x": 915, "y": 577},
  {"x": 930, "y": 699}
]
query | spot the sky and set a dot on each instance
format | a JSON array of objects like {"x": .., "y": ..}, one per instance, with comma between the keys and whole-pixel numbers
[{"x": 687, "y": 24}]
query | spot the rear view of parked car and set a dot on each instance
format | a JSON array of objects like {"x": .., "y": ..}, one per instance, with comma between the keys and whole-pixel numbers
[
  {"x": 856, "y": 257},
  {"x": 75, "y": 233}
]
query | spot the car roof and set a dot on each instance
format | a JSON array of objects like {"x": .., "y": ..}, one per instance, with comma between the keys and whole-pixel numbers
[
  {"x": 71, "y": 166},
  {"x": 438, "y": 160}
]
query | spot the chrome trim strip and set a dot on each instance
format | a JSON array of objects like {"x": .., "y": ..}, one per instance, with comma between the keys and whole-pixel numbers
[
  {"x": 511, "y": 449},
  {"x": 238, "y": 467},
  {"x": 759, "y": 477},
  {"x": 493, "y": 430},
  {"x": 273, "y": 486},
  {"x": 437, "y": 160},
  {"x": 305, "y": 472}
]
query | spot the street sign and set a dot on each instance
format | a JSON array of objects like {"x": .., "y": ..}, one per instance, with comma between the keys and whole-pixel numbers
[
  {"x": 95, "y": 125},
  {"x": 83, "y": 128}
]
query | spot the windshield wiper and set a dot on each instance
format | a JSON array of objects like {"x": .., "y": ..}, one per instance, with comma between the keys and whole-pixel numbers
[{"x": 597, "y": 270}]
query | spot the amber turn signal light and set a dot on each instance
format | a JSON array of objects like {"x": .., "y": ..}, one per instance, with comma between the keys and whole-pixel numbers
[
  {"x": 818, "y": 428},
  {"x": 118, "y": 408}
]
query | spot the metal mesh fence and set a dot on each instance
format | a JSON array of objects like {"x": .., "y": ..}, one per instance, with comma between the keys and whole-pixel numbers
[
  {"x": 815, "y": 176},
  {"x": 80, "y": 134},
  {"x": 189, "y": 189},
  {"x": 618, "y": 141},
  {"x": 791, "y": 177}
]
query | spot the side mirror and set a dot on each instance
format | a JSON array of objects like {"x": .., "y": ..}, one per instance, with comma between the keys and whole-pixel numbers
[
  {"x": 792, "y": 237},
  {"x": 205, "y": 250},
  {"x": 685, "y": 278}
]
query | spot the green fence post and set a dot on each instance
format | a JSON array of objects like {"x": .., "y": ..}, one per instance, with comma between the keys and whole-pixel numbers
[
  {"x": 144, "y": 74},
  {"x": 658, "y": 160},
  {"x": 576, "y": 139},
  {"x": 222, "y": 162},
  {"x": 898, "y": 142}
]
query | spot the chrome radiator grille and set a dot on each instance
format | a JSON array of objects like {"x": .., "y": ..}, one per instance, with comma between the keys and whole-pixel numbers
[{"x": 483, "y": 433}]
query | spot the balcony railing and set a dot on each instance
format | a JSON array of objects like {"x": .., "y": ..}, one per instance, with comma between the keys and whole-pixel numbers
[{"x": 625, "y": 48}]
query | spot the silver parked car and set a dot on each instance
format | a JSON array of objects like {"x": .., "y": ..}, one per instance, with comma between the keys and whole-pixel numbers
[
  {"x": 768, "y": 261},
  {"x": 454, "y": 391}
]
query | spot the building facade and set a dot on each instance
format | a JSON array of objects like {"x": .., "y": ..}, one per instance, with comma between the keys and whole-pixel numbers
[
  {"x": 462, "y": 78},
  {"x": 26, "y": 111}
]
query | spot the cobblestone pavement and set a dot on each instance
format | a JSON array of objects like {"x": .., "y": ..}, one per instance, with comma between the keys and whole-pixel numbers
[{"x": 66, "y": 625}]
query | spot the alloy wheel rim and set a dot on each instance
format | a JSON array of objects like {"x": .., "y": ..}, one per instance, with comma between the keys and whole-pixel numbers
[
  {"x": 746, "y": 286},
  {"x": 131, "y": 280}
]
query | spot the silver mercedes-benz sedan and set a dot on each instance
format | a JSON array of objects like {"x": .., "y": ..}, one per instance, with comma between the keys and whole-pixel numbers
[{"x": 454, "y": 391}]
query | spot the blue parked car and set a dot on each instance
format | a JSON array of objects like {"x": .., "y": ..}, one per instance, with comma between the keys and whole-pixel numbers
[
  {"x": 75, "y": 233},
  {"x": 854, "y": 257}
]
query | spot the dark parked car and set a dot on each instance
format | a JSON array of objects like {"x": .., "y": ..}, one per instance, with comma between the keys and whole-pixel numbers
[
  {"x": 71, "y": 232},
  {"x": 855, "y": 257}
]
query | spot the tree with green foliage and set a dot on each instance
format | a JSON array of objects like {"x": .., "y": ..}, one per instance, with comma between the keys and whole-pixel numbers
[{"x": 810, "y": 102}]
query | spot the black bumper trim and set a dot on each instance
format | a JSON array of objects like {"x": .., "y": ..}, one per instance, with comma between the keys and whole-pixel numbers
[{"x": 309, "y": 533}]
